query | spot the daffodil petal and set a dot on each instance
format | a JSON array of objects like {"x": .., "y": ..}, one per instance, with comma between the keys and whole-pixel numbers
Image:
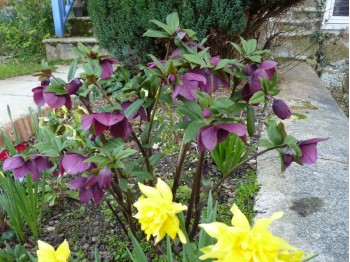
[
  {"x": 62, "y": 253},
  {"x": 148, "y": 191},
  {"x": 164, "y": 190},
  {"x": 239, "y": 219}
]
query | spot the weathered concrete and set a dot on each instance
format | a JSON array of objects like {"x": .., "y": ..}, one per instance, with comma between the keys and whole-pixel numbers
[{"x": 314, "y": 199}]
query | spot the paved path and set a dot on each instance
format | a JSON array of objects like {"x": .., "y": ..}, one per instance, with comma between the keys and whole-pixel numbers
[
  {"x": 17, "y": 93},
  {"x": 314, "y": 198}
]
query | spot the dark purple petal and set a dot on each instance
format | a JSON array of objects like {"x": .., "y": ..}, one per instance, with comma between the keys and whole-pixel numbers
[
  {"x": 91, "y": 180},
  {"x": 195, "y": 77},
  {"x": 73, "y": 86},
  {"x": 86, "y": 121},
  {"x": 61, "y": 168},
  {"x": 99, "y": 128},
  {"x": 122, "y": 129},
  {"x": 175, "y": 55},
  {"x": 270, "y": 67},
  {"x": 246, "y": 95},
  {"x": 287, "y": 159},
  {"x": 78, "y": 183},
  {"x": 254, "y": 80},
  {"x": 238, "y": 129},
  {"x": 85, "y": 195},
  {"x": 14, "y": 162},
  {"x": 21, "y": 171},
  {"x": 251, "y": 69},
  {"x": 97, "y": 193},
  {"x": 34, "y": 170},
  {"x": 38, "y": 96},
  {"x": 105, "y": 178},
  {"x": 108, "y": 119},
  {"x": 309, "y": 150},
  {"x": 281, "y": 109},
  {"x": 42, "y": 163},
  {"x": 45, "y": 83},
  {"x": 53, "y": 100},
  {"x": 107, "y": 68},
  {"x": 206, "y": 113},
  {"x": 74, "y": 163},
  {"x": 187, "y": 88},
  {"x": 207, "y": 138},
  {"x": 68, "y": 103}
]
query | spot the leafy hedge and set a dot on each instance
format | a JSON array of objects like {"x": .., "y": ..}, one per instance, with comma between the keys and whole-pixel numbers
[
  {"x": 24, "y": 26},
  {"x": 119, "y": 24}
]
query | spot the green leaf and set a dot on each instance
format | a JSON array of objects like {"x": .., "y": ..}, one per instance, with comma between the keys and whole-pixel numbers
[
  {"x": 169, "y": 252},
  {"x": 134, "y": 107},
  {"x": 173, "y": 20},
  {"x": 237, "y": 47},
  {"x": 192, "y": 130},
  {"x": 250, "y": 120},
  {"x": 251, "y": 46},
  {"x": 156, "y": 34},
  {"x": 190, "y": 109},
  {"x": 227, "y": 106},
  {"x": 88, "y": 69},
  {"x": 274, "y": 133},
  {"x": 72, "y": 69},
  {"x": 155, "y": 158},
  {"x": 97, "y": 255},
  {"x": 97, "y": 159},
  {"x": 139, "y": 254},
  {"x": 289, "y": 140},
  {"x": 141, "y": 176},
  {"x": 254, "y": 58},
  {"x": 258, "y": 97},
  {"x": 82, "y": 48},
  {"x": 165, "y": 27},
  {"x": 195, "y": 59},
  {"x": 224, "y": 62},
  {"x": 265, "y": 143},
  {"x": 204, "y": 99},
  {"x": 56, "y": 88}
]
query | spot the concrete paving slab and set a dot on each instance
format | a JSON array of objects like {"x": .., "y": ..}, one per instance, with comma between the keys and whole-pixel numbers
[{"x": 314, "y": 198}]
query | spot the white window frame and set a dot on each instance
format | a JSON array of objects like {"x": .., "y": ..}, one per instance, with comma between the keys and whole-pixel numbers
[{"x": 333, "y": 22}]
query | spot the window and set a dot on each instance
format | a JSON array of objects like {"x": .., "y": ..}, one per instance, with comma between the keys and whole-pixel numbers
[{"x": 336, "y": 15}]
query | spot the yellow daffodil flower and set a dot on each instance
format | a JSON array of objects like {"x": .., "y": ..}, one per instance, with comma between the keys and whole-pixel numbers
[
  {"x": 241, "y": 243},
  {"x": 157, "y": 212},
  {"x": 46, "y": 252}
]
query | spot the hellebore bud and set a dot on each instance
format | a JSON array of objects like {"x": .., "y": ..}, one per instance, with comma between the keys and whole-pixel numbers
[
  {"x": 206, "y": 113},
  {"x": 281, "y": 109}
]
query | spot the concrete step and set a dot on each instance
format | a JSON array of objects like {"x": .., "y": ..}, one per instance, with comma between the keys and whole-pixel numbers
[
  {"x": 296, "y": 25},
  {"x": 80, "y": 26},
  {"x": 59, "y": 48}
]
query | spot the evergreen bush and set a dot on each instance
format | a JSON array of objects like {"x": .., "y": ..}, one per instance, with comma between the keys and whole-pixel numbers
[{"x": 119, "y": 24}]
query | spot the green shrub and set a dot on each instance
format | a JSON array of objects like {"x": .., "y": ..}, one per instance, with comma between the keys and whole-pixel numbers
[
  {"x": 119, "y": 24},
  {"x": 24, "y": 26}
]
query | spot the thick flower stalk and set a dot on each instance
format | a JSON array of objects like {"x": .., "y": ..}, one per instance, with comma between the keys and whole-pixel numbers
[
  {"x": 241, "y": 243},
  {"x": 46, "y": 252},
  {"x": 157, "y": 212}
]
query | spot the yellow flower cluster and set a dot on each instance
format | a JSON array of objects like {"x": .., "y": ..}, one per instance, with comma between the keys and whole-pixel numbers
[
  {"x": 157, "y": 212},
  {"x": 46, "y": 252},
  {"x": 241, "y": 243}
]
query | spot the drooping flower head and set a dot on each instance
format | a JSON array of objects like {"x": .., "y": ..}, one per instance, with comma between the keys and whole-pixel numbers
[
  {"x": 92, "y": 187},
  {"x": 41, "y": 96},
  {"x": 47, "y": 253},
  {"x": 242, "y": 243},
  {"x": 308, "y": 152},
  {"x": 209, "y": 136},
  {"x": 24, "y": 165},
  {"x": 116, "y": 123},
  {"x": 73, "y": 164},
  {"x": 157, "y": 212},
  {"x": 190, "y": 83}
]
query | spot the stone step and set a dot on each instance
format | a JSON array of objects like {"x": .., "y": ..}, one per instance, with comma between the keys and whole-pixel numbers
[
  {"x": 80, "y": 26},
  {"x": 296, "y": 25},
  {"x": 59, "y": 48}
]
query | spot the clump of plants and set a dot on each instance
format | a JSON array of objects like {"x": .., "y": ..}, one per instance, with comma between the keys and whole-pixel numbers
[{"x": 108, "y": 149}]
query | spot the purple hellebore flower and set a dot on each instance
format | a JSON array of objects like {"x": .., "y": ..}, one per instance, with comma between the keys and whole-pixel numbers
[
  {"x": 266, "y": 69},
  {"x": 190, "y": 83},
  {"x": 209, "y": 136},
  {"x": 308, "y": 152},
  {"x": 116, "y": 123},
  {"x": 141, "y": 112},
  {"x": 73, "y": 163},
  {"x": 22, "y": 166},
  {"x": 92, "y": 187},
  {"x": 281, "y": 109},
  {"x": 106, "y": 64}
]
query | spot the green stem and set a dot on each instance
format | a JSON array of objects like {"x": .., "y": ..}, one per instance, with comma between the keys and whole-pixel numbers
[
  {"x": 144, "y": 153},
  {"x": 225, "y": 176},
  {"x": 159, "y": 88},
  {"x": 104, "y": 93},
  {"x": 195, "y": 189},
  {"x": 179, "y": 167}
]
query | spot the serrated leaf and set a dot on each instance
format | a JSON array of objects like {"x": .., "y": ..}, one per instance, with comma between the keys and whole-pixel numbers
[
  {"x": 258, "y": 97},
  {"x": 195, "y": 59},
  {"x": 156, "y": 34},
  {"x": 192, "y": 130},
  {"x": 237, "y": 47},
  {"x": 173, "y": 20},
  {"x": 224, "y": 62},
  {"x": 56, "y": 89},
  {"x": 165, "y": 27},
  {"x": 227, "y": 106},
  {"x": 251, "y": 45},
  {"x": 72, "y": 69},
  {"x": 134, "y": 107}
]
